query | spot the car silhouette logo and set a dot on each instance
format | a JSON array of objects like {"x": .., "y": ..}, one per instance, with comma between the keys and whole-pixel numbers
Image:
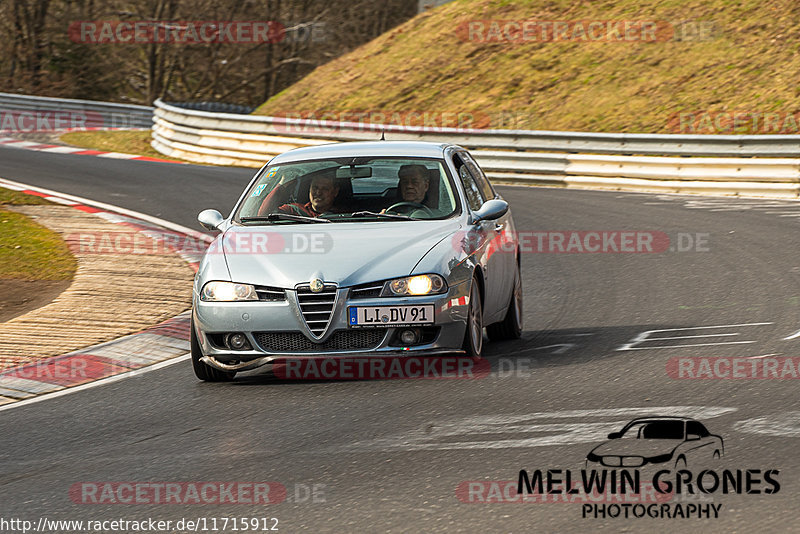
[
  {"x": 316, "y": 285},
  {"x": 673, "y": 441}
]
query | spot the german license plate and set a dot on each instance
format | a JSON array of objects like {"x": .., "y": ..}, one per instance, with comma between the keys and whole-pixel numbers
[{"x": 364, "y": 316}]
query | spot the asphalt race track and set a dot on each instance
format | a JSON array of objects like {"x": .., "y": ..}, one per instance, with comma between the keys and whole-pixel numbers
[{"x": 389, "y": 455}]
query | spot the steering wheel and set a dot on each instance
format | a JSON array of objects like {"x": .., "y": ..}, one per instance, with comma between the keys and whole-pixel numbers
[{"x": 412, "y": 205}]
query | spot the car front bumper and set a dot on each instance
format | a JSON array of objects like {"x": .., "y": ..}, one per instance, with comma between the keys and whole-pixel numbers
[{"x": 259, "y": 319}]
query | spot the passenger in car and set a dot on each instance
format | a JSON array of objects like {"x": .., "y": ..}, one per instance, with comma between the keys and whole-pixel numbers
[{"x": 322, "y": 196}]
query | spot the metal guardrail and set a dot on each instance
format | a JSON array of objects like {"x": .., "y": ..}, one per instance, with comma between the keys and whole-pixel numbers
[
  {"x": 607, "y": 161},
  {"x": 36, "y": 113},
  {"x": 522, "y": 140},
  {"x": 215, "y": 107}
]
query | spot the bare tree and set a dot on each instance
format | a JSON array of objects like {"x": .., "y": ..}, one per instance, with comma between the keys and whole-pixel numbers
[{"x": 38, "y": 56}]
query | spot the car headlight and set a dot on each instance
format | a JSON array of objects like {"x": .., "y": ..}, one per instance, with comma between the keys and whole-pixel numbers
[
  {"x": 592, "y": 457},
  {"x": 660, "y": 459},
  {"x": 422, "y": 284},
  {"x": 228, "y": 292}
]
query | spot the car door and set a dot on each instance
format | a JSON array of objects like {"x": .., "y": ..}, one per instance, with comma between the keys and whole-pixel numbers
[
  {"x": 503, "y": 247},
  {"x": 701, "y": 447},
  {"x": 491, "y": 263}
]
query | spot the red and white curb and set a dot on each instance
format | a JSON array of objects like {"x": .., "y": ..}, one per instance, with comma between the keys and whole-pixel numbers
[
  {"x": 60, "y": 149},
  {"x": 127, "y": 355},
  {"x": 167, "y": 340}
]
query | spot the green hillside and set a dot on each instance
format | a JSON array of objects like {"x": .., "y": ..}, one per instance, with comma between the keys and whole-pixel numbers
[{"x": 708, "y": 60}]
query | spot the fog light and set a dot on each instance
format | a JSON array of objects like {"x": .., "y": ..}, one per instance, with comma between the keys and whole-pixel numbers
[
  {"x": 409, "y": 337},
  {"x": 236, "y": 341}
]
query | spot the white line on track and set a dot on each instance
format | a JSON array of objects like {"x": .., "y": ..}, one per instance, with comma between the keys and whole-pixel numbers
[
  {"x": 763, "y": 356},
  {"x": 688, "y": 337},
  {"x": 645, "y": 337},
  {"x": 692, "y": 345},
  {"x": 117, "y": 155},
  {"x": 109, "y": 207},
  {"x": 706, "y": 327},
  {"x": 59, "y": 200},
  {"x": 539, "y": 429},
  {"x": 18, "y": 186},
  {"x": 96, "y": 383},
  {"x": 793, "y": 336},
  {"x": 62, "y": 149},
  {"x": 781, "y": 424}
]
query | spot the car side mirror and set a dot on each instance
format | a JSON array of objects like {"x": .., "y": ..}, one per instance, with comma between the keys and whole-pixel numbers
[
  {"x": 491, "y": 210},
  {"x": 692, "y": 437},
  {"x": 615, "y": 435},
  {"x": 210, "y": 219}
]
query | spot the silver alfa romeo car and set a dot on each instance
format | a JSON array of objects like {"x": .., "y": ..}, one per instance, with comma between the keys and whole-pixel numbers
[{"x": 384, "y": 248}]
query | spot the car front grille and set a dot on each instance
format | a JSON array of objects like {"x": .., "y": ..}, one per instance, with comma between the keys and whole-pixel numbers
[
  {"x": 632, "y": 461},
  {"x": 622, "y": 461},
  {"x": 270, "y": 294},
  {"x": 362, "y": 339},
  {"x": 317, "y": 308},
  {"x": 365, "y": 291}
]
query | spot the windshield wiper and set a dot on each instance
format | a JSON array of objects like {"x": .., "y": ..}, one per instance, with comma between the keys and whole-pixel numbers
[
  {"x": 283, "y": 217},
  {"x": 384, "y": 215}
]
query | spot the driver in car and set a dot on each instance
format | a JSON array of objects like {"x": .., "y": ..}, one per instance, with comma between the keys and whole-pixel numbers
[{"x": 414, "y": 183}]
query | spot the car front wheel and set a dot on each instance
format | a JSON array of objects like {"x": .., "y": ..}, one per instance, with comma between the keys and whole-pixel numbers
[{"x": 473, "y": 337}]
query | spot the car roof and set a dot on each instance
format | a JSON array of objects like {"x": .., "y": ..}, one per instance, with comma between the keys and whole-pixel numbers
[
  {"x": 661, "y": 418},
  {"x": 418, "y": 149}
]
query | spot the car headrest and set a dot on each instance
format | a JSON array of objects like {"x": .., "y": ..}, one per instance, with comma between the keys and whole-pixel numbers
[{"x": 432, "y": 196}]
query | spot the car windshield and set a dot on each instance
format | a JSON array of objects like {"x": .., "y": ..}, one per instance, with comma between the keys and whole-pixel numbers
[
  {"x": 655, "y": 430},
  {"x": 352, "y": 189}
]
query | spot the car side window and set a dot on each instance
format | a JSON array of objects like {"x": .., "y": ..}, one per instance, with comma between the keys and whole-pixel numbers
[
  {"x": 474, "y": 196},
  {"x": 694, "y": 427},
  {"x": 480, "y": 177}
]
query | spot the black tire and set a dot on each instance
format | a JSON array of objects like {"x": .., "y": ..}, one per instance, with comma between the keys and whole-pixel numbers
[
  {"x": 202, "y": 370},
  {"x": 473, "y": 337},
  {"x": 680, "y": 463},
  {"x": 511, "y": 325}
]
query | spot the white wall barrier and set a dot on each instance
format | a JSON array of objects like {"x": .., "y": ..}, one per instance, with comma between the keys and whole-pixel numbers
[
  {"x": 27, "y": 114},
  {"x": 530, "y": 157}
]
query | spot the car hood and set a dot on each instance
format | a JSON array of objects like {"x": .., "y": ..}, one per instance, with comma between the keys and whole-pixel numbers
[
  {"x": 344, "y": 253},
  {"x": 637, "y": 447}
]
